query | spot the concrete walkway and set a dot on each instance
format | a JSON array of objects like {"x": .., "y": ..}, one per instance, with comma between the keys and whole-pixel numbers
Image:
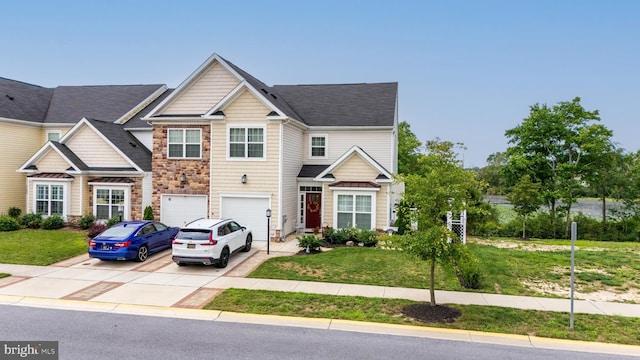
[{"x": 91, "y": 284}]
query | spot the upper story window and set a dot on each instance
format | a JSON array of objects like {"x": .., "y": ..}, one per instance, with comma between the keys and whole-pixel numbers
[
  {"x": 318, "y": 146},
  {"x": 53, "y": 135},
  {"x": 246, "y": 143},
  {"x": 184, "y": 143}
]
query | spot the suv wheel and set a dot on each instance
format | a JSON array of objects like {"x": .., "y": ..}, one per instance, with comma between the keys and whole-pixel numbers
[{"x": 224, "y": 258}]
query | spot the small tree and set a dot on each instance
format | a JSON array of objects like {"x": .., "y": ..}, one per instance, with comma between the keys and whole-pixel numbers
[
  {"x": 432, "y": 246},
  {"x": 526, "y": 199},
  {"x": 148, "y": 213}
]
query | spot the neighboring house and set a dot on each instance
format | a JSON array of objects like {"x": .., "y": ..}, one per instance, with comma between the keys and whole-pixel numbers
[
  {"x": 225, "y": 145},
  {"x": 31, "y": 115}
]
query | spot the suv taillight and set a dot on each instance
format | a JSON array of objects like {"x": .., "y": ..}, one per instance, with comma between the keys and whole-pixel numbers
[
  {"x": 176, "y": 241},
  {"x": 212, "y": 241}
]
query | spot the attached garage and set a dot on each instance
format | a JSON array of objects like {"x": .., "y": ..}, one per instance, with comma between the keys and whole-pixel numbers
[
  {"x": 249, "y": 212},
  {"x": 178, "y": 210}
]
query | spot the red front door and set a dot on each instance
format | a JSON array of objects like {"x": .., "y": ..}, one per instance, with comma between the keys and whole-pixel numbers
[{"x": 313, "y": 207}]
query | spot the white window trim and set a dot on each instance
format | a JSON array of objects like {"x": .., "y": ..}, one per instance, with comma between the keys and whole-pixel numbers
[
  {"x": 66, "y": 195},
  {"x": 353, "y": 194},
  {"x": 59, "y": 132},
  {"x": 184, "y": 144},
  {"x": 246, "y": 134},
  {"x": 326, "y": 146},
  {"x": 126, "y": 214}
]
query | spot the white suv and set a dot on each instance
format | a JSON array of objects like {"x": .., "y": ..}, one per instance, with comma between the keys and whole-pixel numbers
[{"x": 210, "y": 241}]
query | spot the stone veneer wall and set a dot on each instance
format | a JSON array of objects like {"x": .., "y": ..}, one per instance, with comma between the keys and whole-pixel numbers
[
  {"x": 136, "y": 199},
  {"x": 166, "y": 172}
]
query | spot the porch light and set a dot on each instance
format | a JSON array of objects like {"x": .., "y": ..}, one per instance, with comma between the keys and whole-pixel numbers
[
  {"x": 183, "y": 178},
  {"x": 244, "y": 179}
]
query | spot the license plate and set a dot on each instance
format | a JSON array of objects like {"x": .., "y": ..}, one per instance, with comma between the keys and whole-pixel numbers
[
  {"x": 191, "y": 246},
  {"x": 105, "y": 247}
]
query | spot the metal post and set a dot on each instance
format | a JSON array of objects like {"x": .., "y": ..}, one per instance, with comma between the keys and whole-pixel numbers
[
  {"x": 574, "y": 231},
  {"x": 268, "y": 229}
]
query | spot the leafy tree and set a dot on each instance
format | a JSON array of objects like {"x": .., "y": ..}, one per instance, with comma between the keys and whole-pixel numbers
[
  {"x": 526, "y": 199},
  {"x": 555, "y": 146},
  {"x": 492, "y": 174},
  {"x": 408, "y": 149},
  {"x": 440, "y": 185},
  {"x": 607, "y": 175}
]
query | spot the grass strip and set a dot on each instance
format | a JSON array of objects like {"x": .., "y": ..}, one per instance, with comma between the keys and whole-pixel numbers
[
  {"x": 41, "y": 247},
  {"x": 587, "y": 327}
]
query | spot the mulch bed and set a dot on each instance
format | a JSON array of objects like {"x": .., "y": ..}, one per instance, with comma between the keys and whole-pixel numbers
[{"x": 431, "y": 314}]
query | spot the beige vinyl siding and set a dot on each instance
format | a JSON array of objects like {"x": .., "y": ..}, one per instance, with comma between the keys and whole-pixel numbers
[
  {"x": 355, "y": 169},
  {"x": 20, "y": 143},
  {"x": 52, "y": 162},
  {"x": 382, "y": 207},
  {"x": 262, "y": 174},
  {"x": 327, "y": 205},
  {"x": 292, "y": 162},
  {"x": 377, "y": 143},
  {"x": 206, "y": 91},
  {"x": 94, "y": 151},
  {"x": 74, "y": 195}
]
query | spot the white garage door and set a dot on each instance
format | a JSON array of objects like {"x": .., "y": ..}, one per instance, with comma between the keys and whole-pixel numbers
[
  {"x": 177, "y": 210},
  {"x": 249, "y": 212}
]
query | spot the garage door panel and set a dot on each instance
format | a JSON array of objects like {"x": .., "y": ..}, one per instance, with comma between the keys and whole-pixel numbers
[
  {"x": 249, "y": 212},
  {"x": 178, "y": 210}
]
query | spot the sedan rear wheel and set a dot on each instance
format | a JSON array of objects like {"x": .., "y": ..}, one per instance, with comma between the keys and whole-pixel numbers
[
  {"x": 224, "y": 258},
  {"x": 247, "y": 244},
  {"x": 143, "y": 253}
]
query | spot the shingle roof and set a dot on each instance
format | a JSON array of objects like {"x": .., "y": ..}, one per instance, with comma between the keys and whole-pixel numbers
[
  {"x": 125, "y": 142},
  {"x": 22, "y": 101},
  {"x": 69, "y": 104},
  {"x": 331, "y": 105},
  {"x": 355, "y": 184},
  {"x": 311, "y": 171},
  {"x": 342, "y": 104},
  {"x": 137, "y": 122},
  {"x": 75, "y": 160}
]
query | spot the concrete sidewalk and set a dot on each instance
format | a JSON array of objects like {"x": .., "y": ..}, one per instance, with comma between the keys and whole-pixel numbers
[{"x": 158, "y": 287}]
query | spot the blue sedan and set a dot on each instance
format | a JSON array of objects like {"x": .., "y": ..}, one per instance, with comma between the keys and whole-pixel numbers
[{"x": 132, "y": 240}]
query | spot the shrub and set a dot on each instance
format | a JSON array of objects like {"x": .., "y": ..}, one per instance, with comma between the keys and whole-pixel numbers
[
  {"x": 31, "y": 221},
  {"x": 53, "y": 222},
  {"x": 95, "y": 229},
  {"x": 368, "y": 238},
  {"x": 15, "y": 212},
  {"x": 309, "y": 242},
  {"x": 86, "y": 221},
  {"x": 148, "y": 213},
  {"x": 466, "y": 266},
  {"x": 8, "y": 223},
  {"x": 113, "y": 220}
]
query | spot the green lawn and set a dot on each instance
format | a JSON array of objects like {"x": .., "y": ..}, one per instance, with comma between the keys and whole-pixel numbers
[
  {"x": 599, "y": 265},
  {"x": 612, "y": 329},
  {"x": 41, "y": 247}
]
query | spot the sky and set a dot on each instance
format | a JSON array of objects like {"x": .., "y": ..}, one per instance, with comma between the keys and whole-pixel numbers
[{"x": 467, "y": 70}]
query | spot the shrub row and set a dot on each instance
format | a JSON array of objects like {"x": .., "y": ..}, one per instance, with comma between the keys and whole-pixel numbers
[
  {"x": 358, "y": 236},
  {"x": 540, "y": 226}
]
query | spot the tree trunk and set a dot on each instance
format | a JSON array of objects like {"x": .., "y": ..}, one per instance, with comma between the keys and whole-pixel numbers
[
  {"x": 604, "y": 207},
  {"x": 568, "y": 222},
  {"x": 552, "y": 209},
  {"x": 524, "y": 219},
  {"x": 432, "y": 283}
]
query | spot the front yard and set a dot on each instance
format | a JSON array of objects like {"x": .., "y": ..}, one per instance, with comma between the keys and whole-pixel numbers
[
  {"x": 41, "y": 247},
  {"x": 605, "y": 271}
]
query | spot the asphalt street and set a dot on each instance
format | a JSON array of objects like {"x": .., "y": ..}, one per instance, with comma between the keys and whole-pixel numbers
[{"x": 95, "y": 335}]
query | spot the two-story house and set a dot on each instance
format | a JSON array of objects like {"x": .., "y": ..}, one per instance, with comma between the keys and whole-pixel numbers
[
  {"x": 224, "y": 144},
  {"x": 31, "y": 115}
]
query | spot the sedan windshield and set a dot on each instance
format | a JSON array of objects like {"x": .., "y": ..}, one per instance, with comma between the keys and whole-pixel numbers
[{"x": 119, "y": 231}]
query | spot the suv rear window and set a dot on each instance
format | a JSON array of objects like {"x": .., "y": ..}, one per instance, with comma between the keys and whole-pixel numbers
[{"x": 193, "y": 234}]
